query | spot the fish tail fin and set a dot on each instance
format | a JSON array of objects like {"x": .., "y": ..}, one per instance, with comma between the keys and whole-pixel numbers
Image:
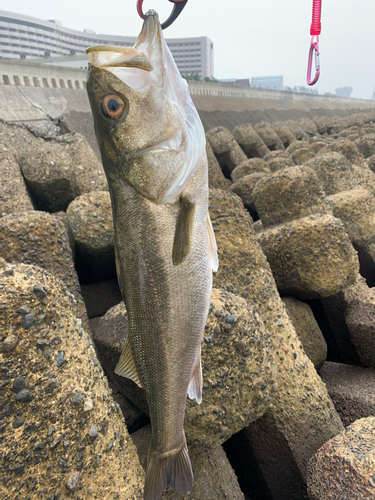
[{"x": 173, "y": 470}]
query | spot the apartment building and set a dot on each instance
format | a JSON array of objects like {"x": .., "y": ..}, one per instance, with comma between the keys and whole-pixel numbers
[{"x": 25, "y": 37}]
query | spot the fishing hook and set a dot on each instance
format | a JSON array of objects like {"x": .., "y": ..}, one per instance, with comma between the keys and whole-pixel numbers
[{"x": 177, "y": 9}]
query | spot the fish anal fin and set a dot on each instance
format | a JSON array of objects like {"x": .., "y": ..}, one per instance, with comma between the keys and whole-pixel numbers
[
  {"x": 126, "y": 366},
  {"x": 196, "y": 383},
  {"x": 183, "y": 236},
  {"x": 212, "y": 247},
  {"x": 172, "y": 469}
]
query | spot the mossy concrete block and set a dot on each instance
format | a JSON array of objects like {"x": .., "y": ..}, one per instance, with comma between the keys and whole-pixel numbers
[
  {"x": 317, "y": 144},
  {"x": 250, "y": 141},
  {"x": 366, "y": 145},
  {"x": 365, "y": 177},
  {"x": 49, "y": 175},
  {"x": 250, "y": 166},
  {"x": 13, "y": 193},
  {"x": 297, "y": 130},
  {"x": 214, "y": 478},
  {"x": 284, "y": 132},
  {"x": 244, "y": 188},
  {"x": 334, "y": 171},
  {"x": 216, "y": 177},
  {"x": 294, "y": 146},
  {"x": 279, "y": 163},
  {"x": 360, "y": 318},
  {"x": 91, "y": 220},
  {"x": 42, "y": 239},
  {"x": 345, "y": 147},
  {"x": 88, "y": 169},
  {"x": 345, "y": 466},
  {"x": 310, "y": 257},
  {"x": 302, "y": 413},
  {"x": 288, "y": 194},
  {"x": 226, "y": 149},
  {"x": 269, "y": 136},
  {"x": 336, "y": 331},
  {"x": 308, "y": 124},
  {"x": 301, "y": 155},
  {"x": 62, "y": 434},
  {"x": 351, "y": 389},
  {"x": 356, "y": 209},
  {"x": 308, "y": 330},
  {"x": 370, "y": 162}
]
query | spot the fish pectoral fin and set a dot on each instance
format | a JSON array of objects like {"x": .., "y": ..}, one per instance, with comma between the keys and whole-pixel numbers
[
  {"x": 196, "y": 383},
  {"x": 173, "y": 470},
  {"x": 183, "y": 236},
  {"x": 212, "y": 247},
  {"x": 126, "y": 366}
]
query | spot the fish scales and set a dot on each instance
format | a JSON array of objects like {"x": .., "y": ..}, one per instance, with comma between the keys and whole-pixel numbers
[{"x": 152, "y": 146}]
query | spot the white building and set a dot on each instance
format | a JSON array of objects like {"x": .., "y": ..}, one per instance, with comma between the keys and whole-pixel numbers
[{"x": 24, "y": 37}]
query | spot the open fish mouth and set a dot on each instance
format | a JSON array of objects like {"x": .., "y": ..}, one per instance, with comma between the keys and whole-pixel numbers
[{"x": 128, "y": 64}]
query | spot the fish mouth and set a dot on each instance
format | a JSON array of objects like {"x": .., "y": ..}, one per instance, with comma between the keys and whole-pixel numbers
[
  {"x": 128, "y": 65},
  {"x": 104, "y": 56}
]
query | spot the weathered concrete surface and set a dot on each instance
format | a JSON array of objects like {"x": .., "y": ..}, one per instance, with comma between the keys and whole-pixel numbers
[
  {"x": 308, "y": 330},
  {"x": 344, "y": 468},
  {"x": 62, "y": 435},
  {"x": 302, "y": 416}
]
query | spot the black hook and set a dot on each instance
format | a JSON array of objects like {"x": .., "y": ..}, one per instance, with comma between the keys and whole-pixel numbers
[{"x": 177, "y": 9}]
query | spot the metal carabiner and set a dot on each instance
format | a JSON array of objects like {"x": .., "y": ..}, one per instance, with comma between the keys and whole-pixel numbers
[
  {"x": 177, "y": 9},
  {"x": 314, "y": 50}
]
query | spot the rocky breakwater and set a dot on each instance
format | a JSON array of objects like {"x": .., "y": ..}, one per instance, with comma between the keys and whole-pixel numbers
[{"x": 265, "y": 411}]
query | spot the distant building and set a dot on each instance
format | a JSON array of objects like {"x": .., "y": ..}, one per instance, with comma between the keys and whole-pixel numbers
[
  {"x": 268, "y": 82},
  {"x": 243, "y": 82},
  {"x": 344, "y": 91},
  {"x": 24, "y": 37}
]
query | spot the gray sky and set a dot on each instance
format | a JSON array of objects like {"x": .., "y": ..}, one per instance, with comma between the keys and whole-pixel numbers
[{"x": 251, "y": 37}]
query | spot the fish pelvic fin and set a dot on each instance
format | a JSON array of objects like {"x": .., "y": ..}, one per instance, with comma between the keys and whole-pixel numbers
[
  {"x": 183, "y": 237},
  {"x": 173, "y": 470},
  {"x": 126, "y": 367},
  {"x": 196, "y": 383},
  {"x": 212, "y": 247}
]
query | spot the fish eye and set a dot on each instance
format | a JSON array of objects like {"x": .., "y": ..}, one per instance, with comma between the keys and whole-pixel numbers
[{"x": 113, "y": 107}]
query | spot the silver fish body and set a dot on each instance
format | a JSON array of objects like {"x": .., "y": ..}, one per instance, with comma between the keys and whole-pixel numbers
[{"x": 164, "y": 242}]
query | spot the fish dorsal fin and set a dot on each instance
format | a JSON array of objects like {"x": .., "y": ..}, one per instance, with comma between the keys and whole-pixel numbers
[
  {"x": 196, "y": 383},
  {"x": 212, "y": 247},
  {"x": 183, "y": 236},
  {"x": 126, "y": 366}
]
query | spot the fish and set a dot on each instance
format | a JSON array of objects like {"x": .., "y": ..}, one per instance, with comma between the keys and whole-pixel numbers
[{"x": 152, "y": 144}]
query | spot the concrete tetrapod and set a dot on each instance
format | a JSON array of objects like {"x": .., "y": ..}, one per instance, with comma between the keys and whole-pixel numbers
[
  {"x": 62, "y": 435},
  {"x": 301, "y": 417}
]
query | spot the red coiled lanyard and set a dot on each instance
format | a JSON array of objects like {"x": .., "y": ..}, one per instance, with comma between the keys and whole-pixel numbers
[
  {"x": 315, "y": 30},
  {"x": 177, "y": 9}
]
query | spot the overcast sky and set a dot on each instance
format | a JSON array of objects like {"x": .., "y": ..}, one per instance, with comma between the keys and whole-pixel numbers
[{"x": 251, "y": 37}]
